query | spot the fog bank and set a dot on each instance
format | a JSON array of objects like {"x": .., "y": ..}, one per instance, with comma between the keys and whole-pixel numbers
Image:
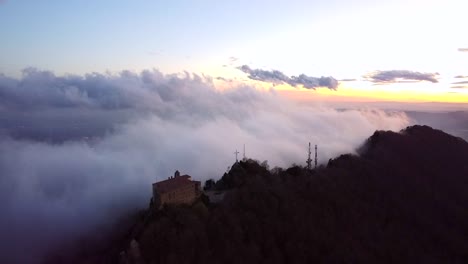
[{"x": 78, "y": 151}]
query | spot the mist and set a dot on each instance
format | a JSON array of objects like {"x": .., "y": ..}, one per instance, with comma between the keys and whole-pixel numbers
[{"x": 77, "y": 152}]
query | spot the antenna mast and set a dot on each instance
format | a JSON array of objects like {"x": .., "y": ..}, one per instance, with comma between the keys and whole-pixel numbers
[
  {"x": 309, "y": 160},
  {"x": 244, "y": 151},
  {"x": 315, "y": 156}
]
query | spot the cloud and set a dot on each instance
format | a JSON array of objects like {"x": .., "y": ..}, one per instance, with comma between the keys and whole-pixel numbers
[
  {"x": 56, "y": 186},
  {"x": 395, "y": 76},
  {"x": 219, "y": 78},
  {"x": 277, "y": 77},
  {"x": 463, "y": 82},
  {"x": 233, "y": 59},
  {"x": 460, "y": 84},
  {"x": 348, "y": 80},
  {"x": 463, "y": 49}
]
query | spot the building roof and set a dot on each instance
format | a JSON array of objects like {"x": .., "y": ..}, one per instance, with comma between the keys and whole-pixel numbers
[{"x": 173, "y": 183}]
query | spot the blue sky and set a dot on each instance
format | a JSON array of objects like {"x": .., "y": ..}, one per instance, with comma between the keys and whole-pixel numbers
[
  {"x": 82, "y": 36},
  {"x": 344, "y": 39}
]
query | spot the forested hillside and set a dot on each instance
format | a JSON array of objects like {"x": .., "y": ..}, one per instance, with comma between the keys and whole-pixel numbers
[{"x": 403, "y": 199}]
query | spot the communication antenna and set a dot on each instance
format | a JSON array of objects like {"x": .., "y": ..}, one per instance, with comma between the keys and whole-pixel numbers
[
  {"x": 236, "y": 152},
  {"x": 309, "y": 160},
  {"x": 244, "y": 151},
  {"x": 315, "y": 156}
]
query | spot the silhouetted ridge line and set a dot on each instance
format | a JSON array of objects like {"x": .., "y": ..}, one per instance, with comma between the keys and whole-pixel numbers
[{"x": 402, "y": 200}]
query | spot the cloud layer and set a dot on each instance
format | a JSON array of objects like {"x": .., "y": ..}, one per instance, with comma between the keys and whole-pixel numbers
[
  {"x": 394, "y": 76},
  {"x": 145, "y": 125},
  {"x": 460, "y": 84},
  {"x": 278, "y": 77}
]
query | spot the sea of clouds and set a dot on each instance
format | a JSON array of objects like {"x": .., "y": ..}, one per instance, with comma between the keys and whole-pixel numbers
[{"x": 79, "y": 151}]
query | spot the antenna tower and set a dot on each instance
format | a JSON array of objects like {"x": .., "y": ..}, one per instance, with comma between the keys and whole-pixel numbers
[
  {"x": 315, "y": 156},
  {"x": 236, "y": 152},
  {"x": 244, "y": 151},
  {"x": 309, "y": 160}
]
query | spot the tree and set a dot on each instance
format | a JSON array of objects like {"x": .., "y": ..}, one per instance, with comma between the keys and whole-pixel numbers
[{"x": 209, "y": 184}]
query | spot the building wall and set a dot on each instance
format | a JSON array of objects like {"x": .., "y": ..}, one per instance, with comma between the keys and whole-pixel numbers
[{"x": 185, "y": 194}]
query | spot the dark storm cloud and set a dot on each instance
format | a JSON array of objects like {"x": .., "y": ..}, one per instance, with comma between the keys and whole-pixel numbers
[
  {"x": 277, "y": 77},
  {"x": 394, "y": 76},
  {"x": 56, "y": 185}
]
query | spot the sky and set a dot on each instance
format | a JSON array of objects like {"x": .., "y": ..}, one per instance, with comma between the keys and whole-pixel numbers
[
  {"x": 347, "y": 40},
  {"x": 100, "y": 99}
]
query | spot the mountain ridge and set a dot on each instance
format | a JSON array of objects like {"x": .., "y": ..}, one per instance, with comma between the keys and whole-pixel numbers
[{"x": 402, "y": 199}]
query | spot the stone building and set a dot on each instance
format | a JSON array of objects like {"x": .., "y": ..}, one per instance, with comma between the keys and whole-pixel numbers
[{"x": 178, "y": 189}]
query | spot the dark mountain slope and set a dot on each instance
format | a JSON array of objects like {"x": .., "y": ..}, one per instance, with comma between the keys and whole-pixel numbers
[
  {"x": 420, "y": 177},
  {"x": 403, "y": 200}
]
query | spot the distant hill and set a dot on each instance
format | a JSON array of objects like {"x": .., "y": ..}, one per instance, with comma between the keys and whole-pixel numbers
[
  {"x": 404, "y": 199},
  {"x": 453, "y": 122}
]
